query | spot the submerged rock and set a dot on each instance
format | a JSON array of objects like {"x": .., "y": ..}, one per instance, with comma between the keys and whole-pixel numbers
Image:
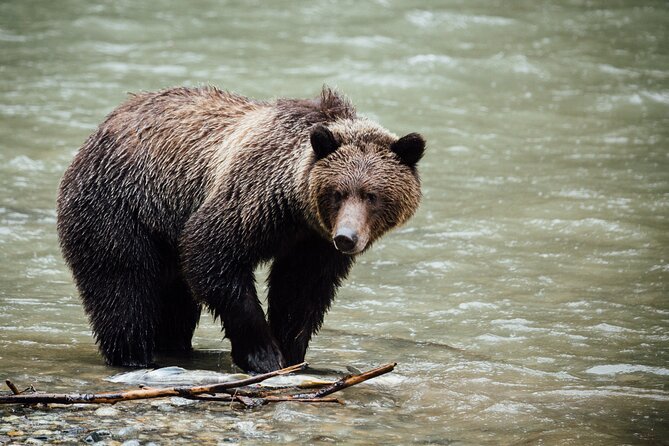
[
  {"x": 174, "y": 376},
  {"x": 177, "y": 376}
]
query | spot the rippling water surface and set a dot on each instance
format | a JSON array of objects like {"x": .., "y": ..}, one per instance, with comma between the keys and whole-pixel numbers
[{"x": 527, "y": 302}]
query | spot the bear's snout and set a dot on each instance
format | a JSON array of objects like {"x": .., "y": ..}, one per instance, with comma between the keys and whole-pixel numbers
[
  {"x": 351, "y": 232},
  {"x": 345, "y": 240}
]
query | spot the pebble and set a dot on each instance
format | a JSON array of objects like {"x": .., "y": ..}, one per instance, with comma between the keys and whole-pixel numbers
[
  {"x": 97, "y": 436},
  {"x": 106, "y": 412},
  {"x": 127, "y": 431},
  {"x": 15, "y": 433},
  {"x": 130, "y": 443},
  {"x": 42, "y": 433},
  {"x": 166, "y": 408},
  {"x": 178, "y": 401},
  {"x": 74, "y": 430},
  {"x": 207, "y": 438},
  {"x": 246, "y": 427}
]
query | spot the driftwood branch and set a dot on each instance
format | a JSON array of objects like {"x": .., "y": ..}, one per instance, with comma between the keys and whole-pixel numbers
[
  {"x": 232, "y": 391},
  {"x": 141, "y": 394}
]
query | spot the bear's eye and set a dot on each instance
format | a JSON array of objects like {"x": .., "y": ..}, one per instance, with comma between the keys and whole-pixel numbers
[
  {"x": 371, "y": 198},
  {"x": 337, "y": 196}
]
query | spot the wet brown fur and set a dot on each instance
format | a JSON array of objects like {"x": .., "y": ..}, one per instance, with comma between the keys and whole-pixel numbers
[{"x": 178, "y": 195}]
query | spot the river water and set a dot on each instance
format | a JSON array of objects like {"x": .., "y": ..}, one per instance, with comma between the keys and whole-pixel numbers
[{"x": 526, "y": 303}]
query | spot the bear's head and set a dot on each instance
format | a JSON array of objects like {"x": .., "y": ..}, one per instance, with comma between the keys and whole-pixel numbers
[{"x": 363, "y": 182}]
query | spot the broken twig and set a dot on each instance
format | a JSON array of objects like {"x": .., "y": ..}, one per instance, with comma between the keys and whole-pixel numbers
[
  {"x": 349, "y": 380},
  {"x": 12, "y": 387}
]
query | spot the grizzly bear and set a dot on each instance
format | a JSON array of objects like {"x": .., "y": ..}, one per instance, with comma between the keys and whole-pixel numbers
[{"x": 180, "y": 194}]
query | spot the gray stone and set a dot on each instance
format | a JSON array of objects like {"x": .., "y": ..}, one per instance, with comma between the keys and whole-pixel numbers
[
  {"x": 106, "y": 412},
  {"x": 127, "y": 431}
]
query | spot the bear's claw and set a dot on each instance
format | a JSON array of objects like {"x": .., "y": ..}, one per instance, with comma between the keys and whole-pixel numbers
[{"x": 259, "y": 359}]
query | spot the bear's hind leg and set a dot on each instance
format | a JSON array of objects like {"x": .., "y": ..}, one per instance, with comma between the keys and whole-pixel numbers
[
  {"x": 121, "y": 305},
  {"x": 119, "y": 284},
  {"x": 179, "y": 315}
]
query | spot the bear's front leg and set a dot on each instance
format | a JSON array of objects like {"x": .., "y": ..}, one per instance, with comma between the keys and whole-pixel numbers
[
  {"x": 218, "y": 266},
  {"x": 302, "y": 285},
  {"x": 254, "y": 349}
]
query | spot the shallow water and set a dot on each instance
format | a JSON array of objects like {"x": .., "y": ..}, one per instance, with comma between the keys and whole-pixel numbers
[{"x": 526, "y": 302}]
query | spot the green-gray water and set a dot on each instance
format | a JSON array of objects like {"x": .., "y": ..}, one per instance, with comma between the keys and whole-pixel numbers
[{"x": 526, "y": 303}]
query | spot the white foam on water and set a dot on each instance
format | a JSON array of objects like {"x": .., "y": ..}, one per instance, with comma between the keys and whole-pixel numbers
[
  {"x": 452, "y": 20},
  {"x": 511, "y": 408},
  {"x": 661, "y": 96},
  {"x": 476, "y": 306},
  {"x": 495, "y": 338},
  {"x": 432, "y": 59},
  {"x": 615, "y": 369},
  {"x": 610, "y": 328},
  {"x": 607, "y": 392}
]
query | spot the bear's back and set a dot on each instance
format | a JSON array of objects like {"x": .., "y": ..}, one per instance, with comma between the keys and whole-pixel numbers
[
  {"x": 161, "y": 154},
  {"x": 152, "y": 155}
]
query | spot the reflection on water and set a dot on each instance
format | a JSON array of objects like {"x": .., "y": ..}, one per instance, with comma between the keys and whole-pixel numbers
[{"x": 527, "y": 300}]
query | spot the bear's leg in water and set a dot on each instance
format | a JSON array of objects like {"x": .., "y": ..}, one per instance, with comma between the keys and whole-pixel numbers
[
  {"x": 120, "y": 288},
  {"x": 178, "y": 317},
  {"x": 302, "y": 285},
  {"x": 218, "y": 262}
]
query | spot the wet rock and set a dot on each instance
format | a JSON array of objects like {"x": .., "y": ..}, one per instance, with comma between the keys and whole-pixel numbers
[
  {"x": 33, "y": 441},
  {"x": 196, "y": 425},
  {"x": 74, "y": 431},
  {"x": 97, "y": 436},
  {"x": 15, "y": 433},
  {"x": 42, "y": 433},
  {"x": 106, "y": 412},
  {"x": 166, "y": 408},
  {"x": 170, "y": 434},
  {"x": 178, "y": 401},
  {"x": 130, "y": 443},
  {"x": 127, "y": 431},
  {"x": 207, "y": 438},
  {"x": 246, "y": 427}
]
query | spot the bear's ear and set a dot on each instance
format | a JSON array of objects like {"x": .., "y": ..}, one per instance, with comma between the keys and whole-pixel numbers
[
  {"x": 323, "y": 141},
  {"x": 409, "y": 148}
]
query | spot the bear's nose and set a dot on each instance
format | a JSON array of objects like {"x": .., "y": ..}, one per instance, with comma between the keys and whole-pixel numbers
[{"x": 345, "y": 240}]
